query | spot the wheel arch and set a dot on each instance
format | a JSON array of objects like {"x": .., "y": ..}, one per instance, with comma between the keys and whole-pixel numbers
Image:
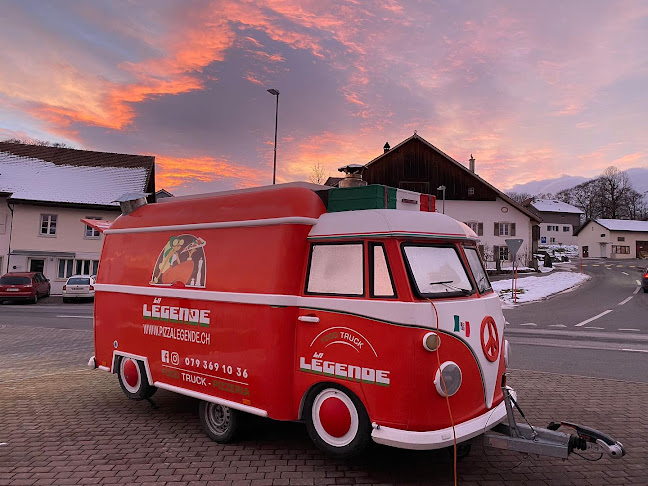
[
  {"x": 143, "y": 359},
  {"x": 323, "y": 384}
]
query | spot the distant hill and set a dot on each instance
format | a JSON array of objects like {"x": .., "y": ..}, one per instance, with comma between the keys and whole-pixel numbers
[
  {"x": 638, "y": 177},
  {"x": 549, "y": 185}
]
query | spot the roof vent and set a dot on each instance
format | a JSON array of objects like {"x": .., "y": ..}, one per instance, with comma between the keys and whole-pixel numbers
[
  {"x": 386, "y": 147},
  {"x": 131, "y": 201},
  {"x": 353, "y": 176}
]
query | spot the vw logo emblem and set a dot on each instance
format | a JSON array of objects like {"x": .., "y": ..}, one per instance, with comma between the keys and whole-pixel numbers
[{"x": 489, "y": 339}]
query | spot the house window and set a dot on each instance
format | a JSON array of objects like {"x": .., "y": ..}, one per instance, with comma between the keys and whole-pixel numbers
[
  {"x": 70, "y": 266},
  {"x": 602, "y": 235},
  {"x": 621, "y": 238},
  {"x": 619, "y": 249},
  {"x": 91, "y": 232},
  {"x": 477, "y": 227},
  {"x": 504, "y": 229},
  {"x": 553, "y": 228},
  {"x": 48, "y": 224},
  {"x": 565, "y": 229},
  {"x": 471, "y": 191},
  {"x": 3, "y": 223},
  {"x": 503, "y": 253},
  {"x": 552, "y": 240}
]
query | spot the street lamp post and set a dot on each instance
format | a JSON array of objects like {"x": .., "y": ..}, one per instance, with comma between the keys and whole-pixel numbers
[
  {"x": 442, "y": 188},
  {"x": 275, "y": 92}
]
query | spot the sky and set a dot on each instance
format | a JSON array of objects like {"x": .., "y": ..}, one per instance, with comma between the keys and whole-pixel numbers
[{"x": 533, "y": 90}]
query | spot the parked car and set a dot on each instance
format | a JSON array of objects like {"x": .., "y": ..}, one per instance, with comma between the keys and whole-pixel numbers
[
  {"x": 79, "y": 287},
  {"x": 644, "y": 281},
  {"x": 27, "y": 286}
]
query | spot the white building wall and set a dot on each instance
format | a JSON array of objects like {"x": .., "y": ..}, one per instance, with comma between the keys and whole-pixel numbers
[
  {"x": 600, "y": 242},
  {"x": 488, "y": 213},
  {"x": 69, "y": 243},
  {"x": 5, "y": 231},
  {"x": 559, "y": 236}
]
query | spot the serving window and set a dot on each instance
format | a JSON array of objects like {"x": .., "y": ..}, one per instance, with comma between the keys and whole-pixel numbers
[{"x": 336, "y": 269}]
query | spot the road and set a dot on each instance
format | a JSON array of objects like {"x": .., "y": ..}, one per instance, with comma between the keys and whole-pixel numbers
[
  {"x": 598, "y": 330},
  {"x": 50, "y": 312}
]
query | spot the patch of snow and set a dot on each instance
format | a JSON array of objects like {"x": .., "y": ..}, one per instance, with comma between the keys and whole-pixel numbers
[
  {"x": 531, "y": 289},
  {"x": 554, "y": 206},
  {"x": 38, "y": 180}
]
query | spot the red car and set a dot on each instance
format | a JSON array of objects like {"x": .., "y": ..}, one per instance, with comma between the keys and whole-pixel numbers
[{"x": 27, "y": 286}]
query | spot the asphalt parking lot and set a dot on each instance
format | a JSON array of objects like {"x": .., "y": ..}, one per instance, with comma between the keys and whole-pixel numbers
[{"x": 62, "y": 423}]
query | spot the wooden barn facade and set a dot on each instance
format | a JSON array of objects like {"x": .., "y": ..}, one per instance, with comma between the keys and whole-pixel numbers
[{"x": 417, "y": 165}]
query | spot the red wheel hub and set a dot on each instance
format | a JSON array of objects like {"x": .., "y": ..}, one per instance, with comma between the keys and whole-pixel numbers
[
  {"x": 131, "y": 373},
  {"x": 335, "y": 417}
]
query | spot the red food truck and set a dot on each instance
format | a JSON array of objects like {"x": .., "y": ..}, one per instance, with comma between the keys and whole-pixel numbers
[{"x": 360, "y": 311}]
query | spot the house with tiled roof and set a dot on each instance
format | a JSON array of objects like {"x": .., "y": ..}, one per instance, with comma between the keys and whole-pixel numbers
[
  {"x": 613, "y": 238},
  {"x": 560, "y": 220},
  {"x": 416, "y": 165},
  {"x": 44, "y": 194}
]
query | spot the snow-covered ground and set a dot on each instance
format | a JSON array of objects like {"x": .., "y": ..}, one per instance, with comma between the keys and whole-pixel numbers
[{"x": 530, "y": 289}]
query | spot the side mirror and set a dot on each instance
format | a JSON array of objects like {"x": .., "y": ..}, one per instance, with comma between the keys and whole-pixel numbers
[{"x": 47, "y": 279}]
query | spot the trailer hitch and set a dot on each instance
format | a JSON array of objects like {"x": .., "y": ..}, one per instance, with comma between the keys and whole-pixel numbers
[{"x": 514, "y": 436}]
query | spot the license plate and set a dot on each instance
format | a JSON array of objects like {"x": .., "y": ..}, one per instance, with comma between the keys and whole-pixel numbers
[
  {"x": 12, "y": 290},
  {"x": 77, "y": 289}
]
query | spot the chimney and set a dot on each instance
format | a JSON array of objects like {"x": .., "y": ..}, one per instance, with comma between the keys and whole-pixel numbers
[
  {"x": 353, "y": 176},
  {"x": 131, "y": 201},
  {"x": 386, "y": 147},
  {"x": 472, "y": 163}
]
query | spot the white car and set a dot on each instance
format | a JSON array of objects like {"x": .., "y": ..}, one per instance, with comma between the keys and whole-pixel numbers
[{"x": 79, "y": 287}]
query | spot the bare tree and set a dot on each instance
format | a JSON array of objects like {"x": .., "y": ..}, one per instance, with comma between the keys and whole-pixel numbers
[
  {"x": 41, "y": 143},
  {"x": 519, "y": 197},
  {"x": 317, "y": 173},
  {"x": 614, "y": 185}
]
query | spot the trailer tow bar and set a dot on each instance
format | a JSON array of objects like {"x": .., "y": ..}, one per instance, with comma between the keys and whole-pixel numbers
[{"x": 525, "y": 438}]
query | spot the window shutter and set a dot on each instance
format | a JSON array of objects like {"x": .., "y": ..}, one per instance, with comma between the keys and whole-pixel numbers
[
  {"x": 495, "y": 253},
  {"x": 480, "y": 229},
  {"x": 512, "y": 229},
  {"x": 481, "y": 251},
  {"x": 496, "y": 230}
]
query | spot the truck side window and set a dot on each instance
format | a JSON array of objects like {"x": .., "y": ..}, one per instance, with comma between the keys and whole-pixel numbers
[
  {"x": 382, "y": 284},
  {"x": 336, "y": 269},
  {"x": 481, "y": 277}
]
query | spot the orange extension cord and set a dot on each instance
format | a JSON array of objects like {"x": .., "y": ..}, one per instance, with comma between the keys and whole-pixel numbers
[{"x": 445, "y": 389}]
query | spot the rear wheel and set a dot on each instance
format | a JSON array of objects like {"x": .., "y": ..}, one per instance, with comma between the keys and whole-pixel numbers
[
  {"x": 336, "y": 421},
  {"x": 221, "y": 423},
  {"x": 645, "y": 289},
  {"x": 133, "y": 380}
]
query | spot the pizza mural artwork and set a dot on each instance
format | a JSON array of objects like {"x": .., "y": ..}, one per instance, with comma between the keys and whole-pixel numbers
[{"x": 181, "y": 260}]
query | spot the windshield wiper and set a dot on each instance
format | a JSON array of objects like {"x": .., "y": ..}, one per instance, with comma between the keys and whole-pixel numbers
[{"x": 452, "y": 287}]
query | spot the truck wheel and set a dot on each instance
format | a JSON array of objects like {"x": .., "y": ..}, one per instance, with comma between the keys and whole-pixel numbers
[
  {"x": 132, "y": 379},
  {"x": 336, "y": 421},
  {"x": 221, "y": 423}
]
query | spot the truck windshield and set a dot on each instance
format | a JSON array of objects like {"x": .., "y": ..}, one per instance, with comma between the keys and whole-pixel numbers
[
  {"x": 437, "y": 271},
  {"x": 483, "y": 284}
]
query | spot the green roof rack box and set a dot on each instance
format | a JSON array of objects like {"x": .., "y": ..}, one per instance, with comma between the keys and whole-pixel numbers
[{"x": 374, "y": 196}]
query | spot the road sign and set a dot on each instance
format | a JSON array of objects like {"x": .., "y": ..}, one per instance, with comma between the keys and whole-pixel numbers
[
  {"x": 543, "y": 239},
  {"x": 514, "y": 245}
]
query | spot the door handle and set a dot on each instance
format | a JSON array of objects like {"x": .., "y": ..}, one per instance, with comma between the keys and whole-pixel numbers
[{"x": 314, "y": 319}]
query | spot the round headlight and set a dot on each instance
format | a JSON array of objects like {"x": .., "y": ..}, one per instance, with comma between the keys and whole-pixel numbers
[
  {"x": 431, "y": 341},
  {"x": 507, "y": 352},
  {"x": 451, "y": 378}
]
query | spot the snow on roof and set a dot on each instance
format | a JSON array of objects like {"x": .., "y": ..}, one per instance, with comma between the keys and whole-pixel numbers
[
  {"x": 623, "y": 224},
  {"x": 553, "y": 206},
  {"x": 35, "y": 179}
]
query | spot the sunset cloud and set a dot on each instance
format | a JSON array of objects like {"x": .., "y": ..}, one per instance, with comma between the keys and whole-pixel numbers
[{"x": 531, "y": 92}]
